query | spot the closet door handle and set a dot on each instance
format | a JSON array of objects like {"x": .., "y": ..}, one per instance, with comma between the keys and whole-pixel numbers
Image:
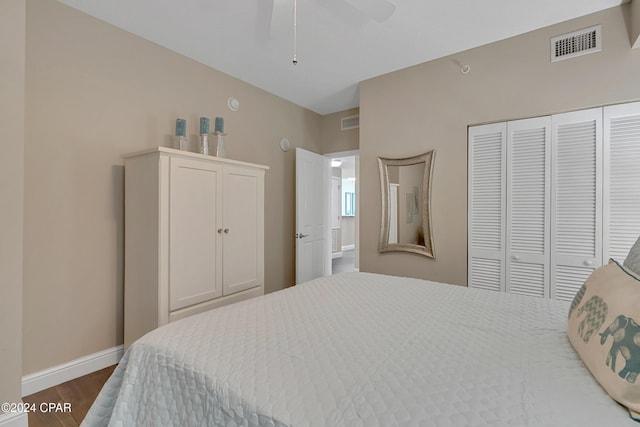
[
  {"x": 220, "y": 230},
  {"x": 515, "y": 257},
  {"x": 588, "y": 262},
  {"x": 226, "y": 230}
]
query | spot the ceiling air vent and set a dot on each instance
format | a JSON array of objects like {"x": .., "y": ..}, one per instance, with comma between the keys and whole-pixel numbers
[
  {"x": 350, "y": 122},
  {"x": 577, "y": 43}
]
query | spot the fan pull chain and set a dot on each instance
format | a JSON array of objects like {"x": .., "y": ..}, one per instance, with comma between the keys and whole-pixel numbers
[{"x": 295, "y": 32}]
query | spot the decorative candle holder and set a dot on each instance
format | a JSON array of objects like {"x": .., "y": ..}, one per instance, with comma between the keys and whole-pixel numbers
[
  {"x": 182, "y": 143},
  {"x": 220, "y": 144},
  {"x": 204, "y": 144}
]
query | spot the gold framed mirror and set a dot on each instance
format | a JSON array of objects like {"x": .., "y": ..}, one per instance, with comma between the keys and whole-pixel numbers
[{"x": 406, "y": 204}]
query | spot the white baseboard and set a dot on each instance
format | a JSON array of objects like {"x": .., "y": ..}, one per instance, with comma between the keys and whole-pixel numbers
[
  {"x": 14, "y": 419},
  {"x": 42, "y": 380},
  {"x": 348, "y": 247},
  {"x": 335, "y": 255}
]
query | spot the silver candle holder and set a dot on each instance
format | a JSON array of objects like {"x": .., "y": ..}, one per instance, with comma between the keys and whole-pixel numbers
[
  {"x": 182, "y": 143},
  {"x": 204, "y": 143},
  {"x": 220, "y": 152}
]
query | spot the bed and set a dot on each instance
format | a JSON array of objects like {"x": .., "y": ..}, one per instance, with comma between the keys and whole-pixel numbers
[{"x": 361, "y": 349}]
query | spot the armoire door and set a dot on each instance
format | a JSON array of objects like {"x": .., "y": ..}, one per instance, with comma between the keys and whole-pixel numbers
[
  {"x": 576, "y": 204},
  {"x": 486, "y": 206},
  {"x": 195, "y": 215},
  {"x": 242, "y": 233},
  {"x": 528, "y": 208}
]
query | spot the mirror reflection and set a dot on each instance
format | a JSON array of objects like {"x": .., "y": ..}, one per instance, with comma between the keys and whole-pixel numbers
[
  {"x": 405, "y": 199},
  {"x": 406, "y": 222}
]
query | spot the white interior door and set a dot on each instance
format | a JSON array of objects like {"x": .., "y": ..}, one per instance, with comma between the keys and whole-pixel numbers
[
  {"x": 528, "y": 207},
  {"x": 393, "y": 213},
  {"x": 313, "y": 209},
  {"x": 336, "y": 202},
  {"x": 576, "y": 200},
  {"x": 621, "y": 184},
  {"x": 486, "y": 201}
]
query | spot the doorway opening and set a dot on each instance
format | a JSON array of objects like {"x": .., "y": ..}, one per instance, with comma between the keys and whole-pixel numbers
[{"x": 344, "y": 211}]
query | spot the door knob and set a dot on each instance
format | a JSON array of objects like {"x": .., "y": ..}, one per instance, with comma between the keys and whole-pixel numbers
[
  {"x": 226, "y": 230},
  {"x": 515, "y": 257},
  {"x": 588, "y": 262},
  {"x": 301, "y": 236},
  {"x": 220, "y": 230}
]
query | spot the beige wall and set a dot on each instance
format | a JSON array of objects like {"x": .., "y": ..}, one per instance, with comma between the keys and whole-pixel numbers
[
  {"x": 12, "y": 85},
  {"x": 335, "y": 140},
  {"x": 634, "y": 23},
  {"x": 348, "y": 230},
  {"x": 95, "y": 92},
  {"x": 429, "y": 106}
]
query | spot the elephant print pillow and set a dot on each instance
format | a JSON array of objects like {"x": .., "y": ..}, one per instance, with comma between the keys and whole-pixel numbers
[{"x": 604, "y": 329}]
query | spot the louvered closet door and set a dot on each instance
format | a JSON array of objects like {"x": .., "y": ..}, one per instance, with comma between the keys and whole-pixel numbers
[
  {"x": 576, "y": 204},
  {"x": 486, "y": 201},
  {"x": 622, "y": 179},
  {"x": 527, "y": 231}
]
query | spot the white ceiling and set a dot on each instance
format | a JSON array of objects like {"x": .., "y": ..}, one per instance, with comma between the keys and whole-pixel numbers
[
  {"x": 337, "y": 44},
  {"x": 348, "y": 166}
]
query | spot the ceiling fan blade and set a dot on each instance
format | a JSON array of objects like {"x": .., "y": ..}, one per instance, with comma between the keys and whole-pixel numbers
[{"x": 379, "y": 10}]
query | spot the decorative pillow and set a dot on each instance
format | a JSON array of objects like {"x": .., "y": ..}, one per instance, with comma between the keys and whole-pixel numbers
[
  {"x": 632, "y": 262},
  {"x": 604, "y": 330}
]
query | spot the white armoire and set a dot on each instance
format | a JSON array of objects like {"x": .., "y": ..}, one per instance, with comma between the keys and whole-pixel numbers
[
  {"x": 194, "y": 236},
  {"x": 552, "y": 198}
]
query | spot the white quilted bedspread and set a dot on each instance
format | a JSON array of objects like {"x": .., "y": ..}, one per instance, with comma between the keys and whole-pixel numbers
[{"x": 361, "y": 349}]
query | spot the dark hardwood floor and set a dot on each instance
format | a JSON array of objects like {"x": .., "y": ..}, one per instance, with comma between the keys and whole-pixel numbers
[{"x": 80, "y": 393}]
